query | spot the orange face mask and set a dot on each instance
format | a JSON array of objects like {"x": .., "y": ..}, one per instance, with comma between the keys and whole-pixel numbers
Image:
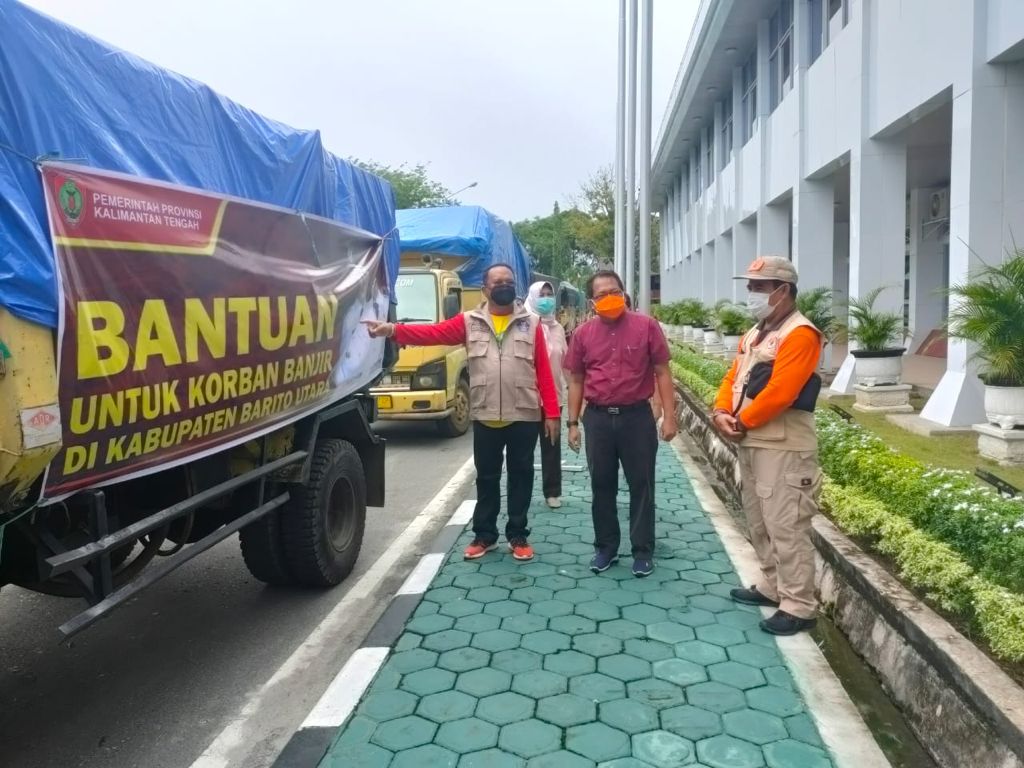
[{"x": 610, "y": 307}]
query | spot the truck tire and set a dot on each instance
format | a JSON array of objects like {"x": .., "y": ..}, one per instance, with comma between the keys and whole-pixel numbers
[
  {"x": 458, "y": 423},
  {"x": 263, "y": 551},
  {"x": 322, "y": 525}
]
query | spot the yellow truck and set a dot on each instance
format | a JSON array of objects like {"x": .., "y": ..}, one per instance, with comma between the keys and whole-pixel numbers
[
  {"x": 181, "y": 349},
  {"x": 444, "y": 253}
]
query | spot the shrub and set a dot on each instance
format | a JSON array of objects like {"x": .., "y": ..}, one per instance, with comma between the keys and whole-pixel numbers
[
  {"x": 817, "y": 306},
  {"x": 873, "y": 329},
  {"x": 732, "y": 319},
  {"x": 987, "y": 530},
  {"x": 710, "y": 370},
  {"x": 693, "y": 382}
]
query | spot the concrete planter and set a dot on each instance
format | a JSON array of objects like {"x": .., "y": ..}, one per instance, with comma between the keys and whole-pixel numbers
[
  {"x": 730, "y": 345},
  {"x": 878, "y": 368},
  {"x": 698, "y": 336},
  {"x": 712, "y": 341},
  {"x": 1004, "y": 406},
  {"x": 687, "y": 333}
]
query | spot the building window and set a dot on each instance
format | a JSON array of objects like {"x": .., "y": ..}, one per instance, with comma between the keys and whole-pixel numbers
[
  {"x": 709, "y": 154},
  {"x": 828, "y": 19},
  {"x": 726, "y": 132},
  {"x": 749, "y": 101},
  {"x": 780, "y": 60},
  {"x": 684, "y": 189}
]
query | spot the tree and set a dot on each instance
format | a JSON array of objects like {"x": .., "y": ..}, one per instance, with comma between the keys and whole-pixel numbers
[{"x": 413, "y": 187}]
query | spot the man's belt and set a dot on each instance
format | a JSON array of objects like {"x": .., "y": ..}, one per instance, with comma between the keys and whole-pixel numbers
[{"x": 615, "y": 410}]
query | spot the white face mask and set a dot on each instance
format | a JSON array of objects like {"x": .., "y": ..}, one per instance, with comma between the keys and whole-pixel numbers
[{"x": 759, "y": 304}]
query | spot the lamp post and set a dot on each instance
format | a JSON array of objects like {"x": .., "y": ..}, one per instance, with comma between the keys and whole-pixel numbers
[{"x": 468, "y": 186}]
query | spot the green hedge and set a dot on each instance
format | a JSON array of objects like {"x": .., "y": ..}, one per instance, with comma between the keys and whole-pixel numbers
[
  {"x": 959, "y": 543},
  {"x": 933, "y": 567},
  {"x": 985, "y": 529}
]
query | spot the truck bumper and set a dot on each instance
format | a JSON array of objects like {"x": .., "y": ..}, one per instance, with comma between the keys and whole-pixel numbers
[{"x": 406, "y": 405}]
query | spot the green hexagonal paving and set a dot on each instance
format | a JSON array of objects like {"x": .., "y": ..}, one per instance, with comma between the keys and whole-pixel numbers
[
  {"x": 428, "y": 681},
  {"x": 566, "y": 709},
  {"x": 530, "y": 738},
  {"x": 505, "y": 708},
  {"x": 446, "y": 706},
  {"x": 429, "y": 754},
  {"x": 468, "y": 735},
  {"x": 691, "y": 722},
  {"x": 539, "y": 684},
  {"x": 597, "y": 741},
  {"x": 629, "y": 716},
  {"x": 404, "y": 733},
  {"x": 483, "y": 682},
  {"x": 546, "y": 665},
  {"x": 662, "y": 749}
]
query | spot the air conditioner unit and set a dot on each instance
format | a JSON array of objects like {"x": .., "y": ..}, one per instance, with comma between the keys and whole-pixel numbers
[{"x": 938, "y": 205}]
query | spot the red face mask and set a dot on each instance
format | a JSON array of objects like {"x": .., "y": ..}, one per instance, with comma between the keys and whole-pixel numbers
[{"x": 610, "y": 307}]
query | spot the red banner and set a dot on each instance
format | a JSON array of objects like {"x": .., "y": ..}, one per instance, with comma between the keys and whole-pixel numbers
[{"x": 192, "y": 322}]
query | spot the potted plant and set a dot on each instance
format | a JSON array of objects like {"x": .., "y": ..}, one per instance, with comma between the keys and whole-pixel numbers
[
  {"x": 732, "y": 320},
  {"x": 989, "y": 311},
  {"x": 817, "y": 306},
  {"x": 687, "y": 314},
  {"x": 878, "y": 335}
]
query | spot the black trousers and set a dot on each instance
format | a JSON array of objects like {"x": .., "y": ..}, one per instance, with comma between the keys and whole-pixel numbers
[
  {"x": 629, "y": 438},
  {"x": 550, "y": 465},
  {"x": 516, "y": 444}
]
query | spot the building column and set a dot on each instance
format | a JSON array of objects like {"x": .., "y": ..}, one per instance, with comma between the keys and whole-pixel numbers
[
  {"x": 986, "y": 210},
  {"x": 926, "y": 269},
  {"x": 723, "y": 267},
  {"x": 707, "y": 276},
  {"x": 744, "y": 251},
  {"x": 773, "y": 230},
  {"x": 813, "y": 224},
  {"x": 878, "y": 214}
]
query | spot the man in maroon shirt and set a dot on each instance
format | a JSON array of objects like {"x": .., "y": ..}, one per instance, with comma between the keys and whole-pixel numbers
[
  {"x": 511, "y": 390},
  {"x": 614, "y": 361}
]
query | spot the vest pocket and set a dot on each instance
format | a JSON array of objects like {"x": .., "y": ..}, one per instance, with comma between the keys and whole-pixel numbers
[
  {"x": 477, "y": 347},
  {"x": 477, "y": 392},
  {"x": 523, "y": 349},
  {"x": 527, "y": 396}
]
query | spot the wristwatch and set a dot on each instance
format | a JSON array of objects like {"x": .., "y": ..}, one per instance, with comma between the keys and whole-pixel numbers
[{"x": 572, "y": 423}]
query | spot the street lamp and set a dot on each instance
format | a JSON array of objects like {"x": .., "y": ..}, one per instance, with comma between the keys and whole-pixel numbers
[{"x": 468, "y": 186}]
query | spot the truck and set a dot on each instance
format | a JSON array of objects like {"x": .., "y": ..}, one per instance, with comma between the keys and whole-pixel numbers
[
  {"x": 181, "y": 355},
  {"x": 444, "y": 252}
]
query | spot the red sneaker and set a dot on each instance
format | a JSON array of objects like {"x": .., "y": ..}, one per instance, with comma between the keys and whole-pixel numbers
[
  {"x": 520, "y": 549},
  {"x": 479, "y": 548}
]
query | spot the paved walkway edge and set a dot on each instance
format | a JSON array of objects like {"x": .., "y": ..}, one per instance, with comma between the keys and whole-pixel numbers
[
  {"x": 843, "y": 730},
  {"x": 309, "y": 744}
]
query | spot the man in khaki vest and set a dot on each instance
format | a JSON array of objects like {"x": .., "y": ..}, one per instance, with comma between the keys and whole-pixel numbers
[
  {"x": 511, "y": 389},
  {"x": 766, "y": 405}
]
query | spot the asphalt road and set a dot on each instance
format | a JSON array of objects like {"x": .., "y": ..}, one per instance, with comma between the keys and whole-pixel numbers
[{"x": 157, "y": 682}]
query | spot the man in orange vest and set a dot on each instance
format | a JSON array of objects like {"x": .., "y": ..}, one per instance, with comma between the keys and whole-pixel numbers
[{"x": 766, "y": 405}]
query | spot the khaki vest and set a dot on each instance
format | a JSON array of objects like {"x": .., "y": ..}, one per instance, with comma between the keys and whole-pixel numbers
[
  {"x": 502, "y": 376},
  {"x": 793, "y": 430}
]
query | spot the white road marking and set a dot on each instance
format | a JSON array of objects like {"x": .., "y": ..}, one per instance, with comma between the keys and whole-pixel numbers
[
  {"x": 231, "y": 745},
  {"x": 422, "y": 574},
  {"x": 839, "y": 723},
  {"x": 464, "y": 513},
  {"x": 346, "y": 689}
]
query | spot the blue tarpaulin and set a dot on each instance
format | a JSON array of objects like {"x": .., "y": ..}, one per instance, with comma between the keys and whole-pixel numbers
[
  {"x": 467, "y": 231},
  {"x": 66, "y": 94}
]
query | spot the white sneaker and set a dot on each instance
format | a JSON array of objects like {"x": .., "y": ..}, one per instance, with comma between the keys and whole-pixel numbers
[{"x": 554, "y": 502}]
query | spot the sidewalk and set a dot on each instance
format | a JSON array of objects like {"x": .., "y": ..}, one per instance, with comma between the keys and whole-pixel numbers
[{"x": 547, "y": 665}]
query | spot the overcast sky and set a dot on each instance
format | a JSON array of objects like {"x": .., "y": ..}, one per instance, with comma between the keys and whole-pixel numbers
[{"x": 518, "y": 95}]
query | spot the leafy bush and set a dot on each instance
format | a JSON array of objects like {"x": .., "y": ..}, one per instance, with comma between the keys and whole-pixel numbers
[
  {"x": 872, "y": 329},
  {"x": 817, "y": 306},
  {"x": 985, "y": 529},
  {"x": 990, "y": 312},
  {"x": 731, "y": 319},
  {"x": 933, "y": 567},
  {"x": 710, "y": 370},
  {"x": 693, "y": 382}
]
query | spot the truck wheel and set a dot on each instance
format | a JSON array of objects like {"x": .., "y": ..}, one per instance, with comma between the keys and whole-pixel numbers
[
  {"x": 458, "y": 423},
  {"x": 322, "y": 525},
  {"x": 263, "y": 552}
]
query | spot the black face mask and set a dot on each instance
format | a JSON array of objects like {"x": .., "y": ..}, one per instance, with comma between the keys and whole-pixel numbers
[{"x": 503, "y": 295}]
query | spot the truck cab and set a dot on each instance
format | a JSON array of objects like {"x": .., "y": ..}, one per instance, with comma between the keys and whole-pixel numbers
[{"x": 427, "y": 383}]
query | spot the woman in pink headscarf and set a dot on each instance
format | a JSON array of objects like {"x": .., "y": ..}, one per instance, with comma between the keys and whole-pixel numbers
[{"x": 541, "y": 301}]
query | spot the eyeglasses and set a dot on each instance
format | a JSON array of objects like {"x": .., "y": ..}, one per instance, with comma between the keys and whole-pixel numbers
[{"x": 613, "y": 292}]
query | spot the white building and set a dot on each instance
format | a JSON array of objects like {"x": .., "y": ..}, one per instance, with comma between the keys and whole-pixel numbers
[{"x": 874, "y": 142}]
